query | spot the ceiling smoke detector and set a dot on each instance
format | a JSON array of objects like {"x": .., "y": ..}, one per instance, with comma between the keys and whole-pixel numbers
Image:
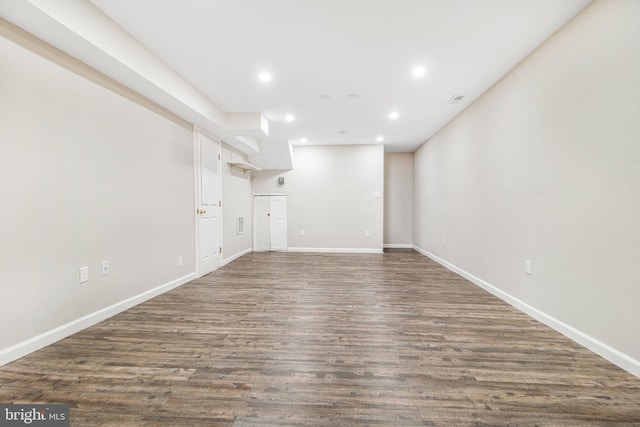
[{"x": 455, "y": 99}]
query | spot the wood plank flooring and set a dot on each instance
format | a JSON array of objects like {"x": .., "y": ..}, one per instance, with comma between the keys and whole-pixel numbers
[{"x": 277, "y": 339}]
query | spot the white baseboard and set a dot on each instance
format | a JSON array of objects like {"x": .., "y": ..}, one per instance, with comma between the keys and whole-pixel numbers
[
  {"x": 398, "y": 246},
  {"x": 19, "y": 350},
  {"x": 614, "y": 356},
  {"x": 338, "y": 250},
  {"x": 236, "y": 256}
]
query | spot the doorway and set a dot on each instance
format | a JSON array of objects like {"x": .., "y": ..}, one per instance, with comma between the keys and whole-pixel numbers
[
  {"x": 208, "y": 204},
  {"x": 270, "y": 222}
]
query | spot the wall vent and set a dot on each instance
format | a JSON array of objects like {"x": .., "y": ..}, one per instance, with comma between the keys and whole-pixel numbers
[
  {"x": 455, "y": 98},
  {"x": 240, "y": 225}
]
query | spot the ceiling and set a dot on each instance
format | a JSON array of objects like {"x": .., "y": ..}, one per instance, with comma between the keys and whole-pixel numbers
[
  {"x": 319, "y": 52},
  {"x": 339, "y": 67}
]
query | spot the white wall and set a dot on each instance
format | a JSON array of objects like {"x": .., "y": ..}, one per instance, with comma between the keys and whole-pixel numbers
[
  {"x": 236, "y": 201},
  {"x": 331, "y": 196},
  {"x": 545, "y": 166},
  {"x": 398, "y": 200},
  {"x": 87, "y": 175}
]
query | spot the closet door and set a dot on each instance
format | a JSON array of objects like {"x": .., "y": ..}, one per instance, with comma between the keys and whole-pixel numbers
[
  {"x": 278, "y": 223},
  {"x": 270, "y": 223},
  {"x": 262, "y": 223}
]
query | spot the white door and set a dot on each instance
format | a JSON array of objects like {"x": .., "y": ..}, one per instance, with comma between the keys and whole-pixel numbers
[
  {"x": 270, "y": 223},
  {"x": 278, "y": 223},
  {"x": 262, "y": 229},
  {"x": 208, "y": 210}
]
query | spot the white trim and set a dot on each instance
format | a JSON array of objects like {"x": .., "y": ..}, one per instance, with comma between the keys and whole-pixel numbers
[
  {"x": 236, "y": 256},
  {"x": 398, "y": 246},
  {"x": 269, "y": 194},
  {"x": 337, "y": 250},
  {"x": 614, "y": 356},
  {"x": 19, "y": 350}
]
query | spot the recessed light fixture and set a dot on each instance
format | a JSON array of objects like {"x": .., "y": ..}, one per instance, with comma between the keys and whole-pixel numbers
[
  {"x": 342, "y": 132},
  {"x": 419, "y": 71},
  {"x": 380, "y": 138},
  {"x": 353, "y": 96},
  {"x": 303, "y": 140},
  {"x": 324, "y": 97},
  {"x": 394, "y": 115},
  {"x": 264, "y": 77},
  {"x": 289, "y": 117}
]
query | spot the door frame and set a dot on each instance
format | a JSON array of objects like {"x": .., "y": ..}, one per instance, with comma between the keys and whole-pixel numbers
[
  {"x": 196, "y": 175},
  {"x": 253, "y": 240}
]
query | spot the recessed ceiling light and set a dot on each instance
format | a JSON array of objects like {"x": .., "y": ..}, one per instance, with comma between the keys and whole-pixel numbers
[
  {"x": 324, "y": 97},
  {"x": 342, "y": 132},
  {"x": 419, "y": 71},
  {"x": 353, "y": 96},
  {"x": 303, "y": 140},
  {"x": 394, "y": 115},
  {"x": 380, "y": 138},
  {"x": 264, "y": 77},
  {"x": 289, "y": 117}
]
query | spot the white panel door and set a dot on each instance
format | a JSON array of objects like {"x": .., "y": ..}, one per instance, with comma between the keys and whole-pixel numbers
[
  {"x": 262, "y": 226},
  {"x": 208, "y": 210},
  {"x": 278, "y": 223},
  {"x": 270, "y": 223}
]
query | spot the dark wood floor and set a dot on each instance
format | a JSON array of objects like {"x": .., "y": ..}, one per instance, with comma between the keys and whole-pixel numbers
[{"x": 325, "y": 340}]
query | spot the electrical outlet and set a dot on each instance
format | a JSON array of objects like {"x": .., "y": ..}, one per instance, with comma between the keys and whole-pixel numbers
[
  {"x": 84, "y": 274},
  {"x": 179, "y": 261},
  {"x": 527, "y": 267},
  {"x": 367, "y": 233},
  {"x": 302, "y": 233},
  {"x": 444, "y": 240}
]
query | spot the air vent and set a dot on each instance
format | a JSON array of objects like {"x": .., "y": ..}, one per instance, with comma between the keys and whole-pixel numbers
[
  {"x": 240, "y": 225},
  {"x": 455, "y": 99}
]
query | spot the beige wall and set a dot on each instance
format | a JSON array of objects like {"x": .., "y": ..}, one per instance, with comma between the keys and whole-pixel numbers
[
  {"x": 87, "y": 175},
  {"x": 398, "y": 199},
  {"x": 331, "y": 196},
  {"x": 545, "y": 167},
  {"x": 236, "y": 201}
]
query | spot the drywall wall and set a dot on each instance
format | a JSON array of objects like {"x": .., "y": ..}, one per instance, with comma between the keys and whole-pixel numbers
[
  {"x": 332, "y": 197},
  {"x": 398, "y": 200},
  {"x": 236, "y": 201},
  {"x": 87, "y": 175},
  {"x": 544, "y": 167}
]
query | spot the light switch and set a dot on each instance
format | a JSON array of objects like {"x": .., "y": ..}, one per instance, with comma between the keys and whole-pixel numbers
[
  {"x": 527, "y": 267},
  {"x": 104, "y": 268},
  {"x": 84, "y": 274}
]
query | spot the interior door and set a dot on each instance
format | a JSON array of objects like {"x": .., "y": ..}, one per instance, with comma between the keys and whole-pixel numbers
[
  {"x": 270, "y": 223},
  {"x": 278, "y": 223},
  {"x": 262, "y": 227},
  {"x": 208, "y": 210}
]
